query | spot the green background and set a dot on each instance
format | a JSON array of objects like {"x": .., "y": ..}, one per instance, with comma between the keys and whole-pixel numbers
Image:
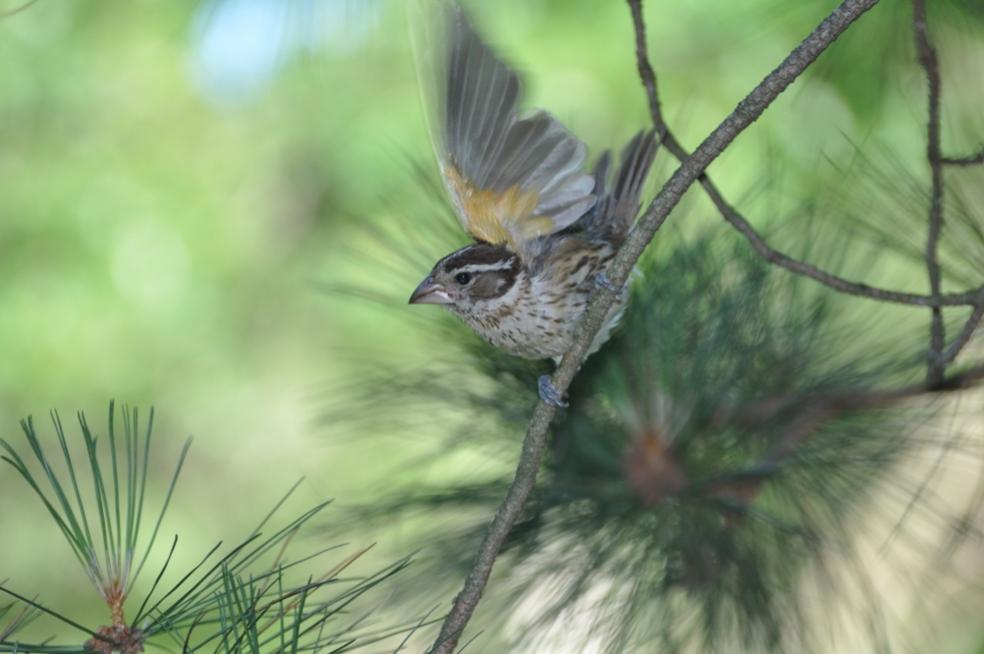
[{"x": 179, "y": 180}]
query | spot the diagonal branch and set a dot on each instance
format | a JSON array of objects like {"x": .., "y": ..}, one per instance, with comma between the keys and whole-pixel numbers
[
  {"x": 817, "y": 409},
  {"x": 806, "y": 415},
  {"x": 16, "y": 10},
  {"x": 648, "y": 77},
  {"x": 747, "y": 111},
  {"x": 950, "y": 354},
  {"x": 837, "y": 403},
  {"x": 741, "y": 224},
  {"x": 930, "y": 63}
]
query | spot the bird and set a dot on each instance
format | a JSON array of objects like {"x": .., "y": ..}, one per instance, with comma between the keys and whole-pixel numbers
[{"x": 546, "y": 229}]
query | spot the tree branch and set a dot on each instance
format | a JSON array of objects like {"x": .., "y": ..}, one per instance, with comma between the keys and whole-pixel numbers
[
  {"x": 741, "y": 224},
  {"x": 747, "y": 111},
  {"x": 970, "y": 160},
  {"x": 648, "y": 77},
  {"x": 930, "y": 63},
  {"x": 838, "y": 403},
  {"x": 808, "y": 414},
  {"x": 950, "y": 354},
  {"x": 16, "y": 10}
]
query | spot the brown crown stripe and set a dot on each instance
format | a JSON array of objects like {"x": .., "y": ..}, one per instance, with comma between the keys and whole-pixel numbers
[{"x": 478, "y": 254}]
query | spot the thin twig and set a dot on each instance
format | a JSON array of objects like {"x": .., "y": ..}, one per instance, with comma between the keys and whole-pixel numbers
[
  {"x": 747, "y": 111},
  {"x": 930, "y": 63},
  {"x": 648, "y": 77},
  {"x": 838, "y": 403},
  {"x": 969, "y": 160},
  {"x": 16, "y": 10},
  {"x": 807, "y": 414},
  {"x": 741, "y": 224},
  {"x": 950, "y": 354}
]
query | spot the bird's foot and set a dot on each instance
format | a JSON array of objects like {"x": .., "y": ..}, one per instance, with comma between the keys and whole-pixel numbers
[
  {"x": 549, "y": 393},
  {"x": 601, "y": 279}
]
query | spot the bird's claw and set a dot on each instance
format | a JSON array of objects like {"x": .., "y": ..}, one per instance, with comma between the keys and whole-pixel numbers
[
  {"x": 601, "y": 279},
  {"x": 549, "y": 393}
]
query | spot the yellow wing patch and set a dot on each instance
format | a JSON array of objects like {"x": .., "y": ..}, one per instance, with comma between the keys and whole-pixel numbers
[{"x": 499, "y": 217}]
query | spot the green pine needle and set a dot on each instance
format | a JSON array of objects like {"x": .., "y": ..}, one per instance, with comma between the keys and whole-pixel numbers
[
  {"x": 240, "y": 601},
  {"x": 116, "y": 501}
]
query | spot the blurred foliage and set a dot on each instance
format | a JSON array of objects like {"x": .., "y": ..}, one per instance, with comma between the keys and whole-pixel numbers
[
  {"x": 668, "y": 510},
  {"x": 180, "y": 178}
]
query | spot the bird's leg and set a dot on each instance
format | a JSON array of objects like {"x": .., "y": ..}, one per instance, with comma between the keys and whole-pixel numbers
[
  {"x": 549, "y": 393},
  {"x": 601, "y": 279}
]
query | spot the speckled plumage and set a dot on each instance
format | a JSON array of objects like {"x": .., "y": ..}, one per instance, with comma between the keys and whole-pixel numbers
[{"x": 534, "y": 316}]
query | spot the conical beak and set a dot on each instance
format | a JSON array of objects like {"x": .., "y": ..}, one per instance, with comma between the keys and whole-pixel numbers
[{"x": 430, "y": 292}]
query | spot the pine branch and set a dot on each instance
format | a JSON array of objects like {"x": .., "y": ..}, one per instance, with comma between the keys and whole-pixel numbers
[
  {"x": 841, "y": 402},
  {"x": 811, "y": 413},
  {"x": 747, "y": 111},
  {"x": 950, "y": 354},
  {"x": 930, "y": 63},
  {"x": 16, "y": 10},
  {"x": 974, "y": 297},
  {"x": 245, "y": 597},
  {"x": 969, "y": 160},
  {"x": 744, "y": 227}
]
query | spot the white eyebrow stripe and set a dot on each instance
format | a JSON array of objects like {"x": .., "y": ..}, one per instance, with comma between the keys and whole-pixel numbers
[{"x": 487, "y": 267}]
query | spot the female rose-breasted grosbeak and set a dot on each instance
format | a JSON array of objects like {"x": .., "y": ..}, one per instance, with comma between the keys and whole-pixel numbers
[{"x": 546, "y": 230}]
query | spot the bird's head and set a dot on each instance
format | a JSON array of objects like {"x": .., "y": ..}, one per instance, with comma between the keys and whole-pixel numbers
[{"x": 468, "y": 280}]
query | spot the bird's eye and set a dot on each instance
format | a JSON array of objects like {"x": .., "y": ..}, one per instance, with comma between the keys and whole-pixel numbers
[{"x": 462, "y": 278}]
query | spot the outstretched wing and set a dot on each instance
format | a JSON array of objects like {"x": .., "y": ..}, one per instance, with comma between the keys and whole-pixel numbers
[
  {"x": 612, "y": 216},
  {"x": 510, "y": 179}
]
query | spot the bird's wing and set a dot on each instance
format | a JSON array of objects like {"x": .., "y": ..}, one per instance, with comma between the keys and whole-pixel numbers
[
  {"x": 510, "y": 179},
  {"x": 611, "y": 218}
]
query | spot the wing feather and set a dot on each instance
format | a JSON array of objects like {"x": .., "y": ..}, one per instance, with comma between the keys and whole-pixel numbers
[
  {"x": 612, "y": 217},
  {"x": 511, "y": 179}
]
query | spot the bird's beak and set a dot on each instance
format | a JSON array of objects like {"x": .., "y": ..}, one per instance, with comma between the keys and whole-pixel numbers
[{"x": 430, "y": 292}]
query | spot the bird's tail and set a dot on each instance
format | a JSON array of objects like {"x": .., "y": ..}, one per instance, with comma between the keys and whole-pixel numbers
[{"x": 616, "y": 208}]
